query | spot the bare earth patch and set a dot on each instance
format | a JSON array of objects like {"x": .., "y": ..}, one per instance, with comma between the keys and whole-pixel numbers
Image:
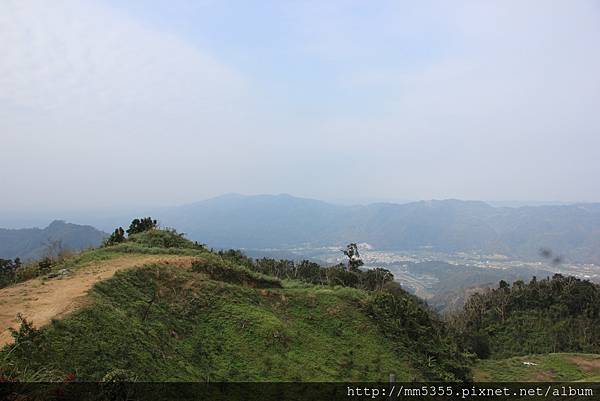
[
  {"x": 587, "y": 364},
  {"x": 544, "y": 376},
  {"x": 39, "y": 301}
]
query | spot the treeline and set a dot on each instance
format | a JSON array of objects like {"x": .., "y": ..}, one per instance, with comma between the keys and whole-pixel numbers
[
  {"x": 313, "y": 273},
  {"x": 558, "y": 314}
]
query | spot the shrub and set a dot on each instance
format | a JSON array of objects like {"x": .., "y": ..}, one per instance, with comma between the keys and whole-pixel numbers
[
  {"x": 375, "y": 279},
  {"x": 26, "y": 333},
  {"x": 119, "y": 376},
  {"x": 398, "y": 316},
  {"x": 8, "y": 270},
  {"x": 167, "y": 238},
  {"x": 45, "y": 264},
  {"x": 116, "y": 237},
  {"x": 234, "y": 274},
  {"x": 141, "y": 225}
]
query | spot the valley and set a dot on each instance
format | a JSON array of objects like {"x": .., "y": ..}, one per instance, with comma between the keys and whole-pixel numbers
[{"x": 439, "y": 277}]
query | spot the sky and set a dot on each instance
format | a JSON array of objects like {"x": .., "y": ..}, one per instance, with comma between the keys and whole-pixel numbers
[{"x": 111, "y": 104}]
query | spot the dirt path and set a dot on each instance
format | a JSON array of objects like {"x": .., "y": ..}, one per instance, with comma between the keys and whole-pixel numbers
[
  {"x": 40, "y": 302},
  {"x": 587, "y": 363}
]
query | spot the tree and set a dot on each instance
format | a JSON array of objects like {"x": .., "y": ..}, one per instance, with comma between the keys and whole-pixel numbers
[
  {"x": 375, "y": 279},
  {"x": 354, "y": 260},
  {"x": 308, "y": 271},
  {"x": 45, "y": 264},
  {"x": 116, "y": 238},
  {"x": 8, "y": 270},
  {"x": 6, "y": 264},
  {"x": 141, "y": 225}
]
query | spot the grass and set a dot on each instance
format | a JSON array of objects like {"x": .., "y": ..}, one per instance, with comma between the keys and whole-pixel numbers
[
  {"x": 222, "y": 321},
  {"x": 78, "y": 260},
  {"x": 549, "y": 367},
  {"x": 151, "y": 242},
  {"x": 198, "y": 329},
  {"x": 219, "y": 269}
]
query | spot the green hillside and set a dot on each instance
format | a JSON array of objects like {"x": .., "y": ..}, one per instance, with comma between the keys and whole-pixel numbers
[
  {"x": 558, "y": 314},
  {"x": 223, "y": 320},
  {"x": 163, "y": 308},
  {"x": 537, "y": 368}
]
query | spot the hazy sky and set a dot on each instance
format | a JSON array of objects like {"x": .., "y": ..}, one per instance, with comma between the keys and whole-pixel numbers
[{"x": 107, "y": 104}]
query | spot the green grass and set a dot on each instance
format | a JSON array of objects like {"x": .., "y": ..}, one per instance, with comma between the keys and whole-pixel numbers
[
  {"x": 550, "y": 367},
  {"x": 199, "y": 329},
  {"x": 223, "y": 321},
  {"x": 151, "y": 242},
  {"x": 218, "y": 269},
  {"x": 164, "y": 238},
  {"x": 83, "y": 258}
]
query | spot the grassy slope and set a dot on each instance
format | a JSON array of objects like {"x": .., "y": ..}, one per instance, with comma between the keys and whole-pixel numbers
[
  {"x": 203, "y": 329},
  {"x": 550, "y": 367}
]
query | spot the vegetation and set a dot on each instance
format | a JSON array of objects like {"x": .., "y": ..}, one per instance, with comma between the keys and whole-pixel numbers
[
  {"x": 310, "y": 272},
  {"x": 147, "y": 239},
  {"x": 232, "y": 318},
  {"x": 165, "y": 238},
  {"x": 225, "y": 319},
  {"x": 160, "y": 323},
  {"x": 231, "y": 273},
  {"x": 354, "y": 260},
  {"x": 432, "y": 347},
  {"x": 140, "y": 225},
  {"x": 8, "y": 269},
  {"x": 14, "y": 271},
  {"x": 548, "y": 367},
  {"x": 145, "y": 232},
  {"x": 558, "y": 314},
  {"x": 116, "y": 237}
]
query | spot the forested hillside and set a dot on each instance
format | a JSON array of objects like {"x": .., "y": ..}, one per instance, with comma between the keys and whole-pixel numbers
[{"x": 558, "y": 314}]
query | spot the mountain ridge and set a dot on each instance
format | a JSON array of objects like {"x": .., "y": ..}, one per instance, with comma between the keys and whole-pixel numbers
[
  {"x": 284, "y": 221},
  {"x": 33, "y": 243},
  {"x": 267, "y": 221}
]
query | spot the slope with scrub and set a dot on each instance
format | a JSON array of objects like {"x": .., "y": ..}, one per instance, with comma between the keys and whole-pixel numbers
[{"x": 218, "y": 318}]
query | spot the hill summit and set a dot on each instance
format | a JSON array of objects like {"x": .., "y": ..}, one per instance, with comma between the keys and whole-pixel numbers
[{"x": 220, "y": 316}]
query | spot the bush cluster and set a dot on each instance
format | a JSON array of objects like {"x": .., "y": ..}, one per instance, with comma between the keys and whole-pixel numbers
[
  {"x": 8, "y": 270},
  {"x": 431, "y": 347},
  {"x": 310, "y": 272},
  {"x": 235, "y": 274}
]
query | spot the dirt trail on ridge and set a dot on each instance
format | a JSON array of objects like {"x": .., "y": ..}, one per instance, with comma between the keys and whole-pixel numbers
[{"x": 40, "y": 301}]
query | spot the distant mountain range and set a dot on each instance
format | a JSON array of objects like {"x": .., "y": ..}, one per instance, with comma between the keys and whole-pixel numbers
[
  {"x": 34, "y": 243},
  {"x": 284, "y": 221}
]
